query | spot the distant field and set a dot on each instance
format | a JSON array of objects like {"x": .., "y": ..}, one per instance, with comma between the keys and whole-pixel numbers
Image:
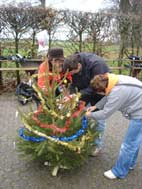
[{"x": 109, "y": 53}]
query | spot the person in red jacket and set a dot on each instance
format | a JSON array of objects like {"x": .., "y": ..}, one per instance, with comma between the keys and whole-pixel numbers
[
  {"x": 54, "y": 61},
  {"x": 52, "y": 65}
]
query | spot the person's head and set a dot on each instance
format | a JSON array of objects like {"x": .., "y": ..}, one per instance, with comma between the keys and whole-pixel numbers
[
  {"x": 55, "y": 59},
  {"x": 72, "y": 64},
  {"x": 99, "y": 83}
]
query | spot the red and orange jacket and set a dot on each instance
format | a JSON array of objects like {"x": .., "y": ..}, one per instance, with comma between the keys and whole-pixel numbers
[{"x": 42, "y": 76}]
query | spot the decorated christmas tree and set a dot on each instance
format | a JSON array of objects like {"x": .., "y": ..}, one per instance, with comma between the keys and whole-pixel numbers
[{"x": 57, "y": 133}]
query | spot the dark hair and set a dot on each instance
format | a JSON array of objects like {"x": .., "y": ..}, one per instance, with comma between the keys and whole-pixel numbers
[
  {"x": 71, "y": 62},
  {"x": 56, "y": 53}
]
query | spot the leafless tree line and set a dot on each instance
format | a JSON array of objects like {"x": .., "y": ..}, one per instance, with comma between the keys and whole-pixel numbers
[{"x": 119, "y": 24}]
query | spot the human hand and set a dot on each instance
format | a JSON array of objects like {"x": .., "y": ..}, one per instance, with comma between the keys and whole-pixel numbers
[
  {"x": 88, "y": 114},
  {"x": 68, "y": 97},
  {"x": 91, "y": 108}
]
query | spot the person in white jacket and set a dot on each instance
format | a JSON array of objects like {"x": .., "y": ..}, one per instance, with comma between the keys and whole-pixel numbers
[{"x": 122, "y": 93}]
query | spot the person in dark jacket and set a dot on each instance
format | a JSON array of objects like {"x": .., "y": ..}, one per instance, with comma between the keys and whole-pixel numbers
[{"x": 83, "y": 67}]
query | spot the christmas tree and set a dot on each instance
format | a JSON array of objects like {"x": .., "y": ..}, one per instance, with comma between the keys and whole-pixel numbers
[{"x": 57, "y": 133}]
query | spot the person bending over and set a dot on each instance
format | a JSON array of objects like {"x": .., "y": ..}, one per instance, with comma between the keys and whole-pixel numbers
[
  {"x": 123, "y": 93},
  {"x": 83, "y": 67}
]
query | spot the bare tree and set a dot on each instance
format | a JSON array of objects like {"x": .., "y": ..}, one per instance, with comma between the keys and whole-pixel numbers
[
  {"x": 124, "y": 24},
  {"x": 130, "y": 25},
  {"x": 136, "y": 26},
  {"x": 50, "y": 22},
  {"x": 78, "y": 23},
  {"x": 36, "y": 15},
  {"x": 2, "y": 25},
  {"x": 16, "y": 23},
  {"x": 98, "y": 29}
]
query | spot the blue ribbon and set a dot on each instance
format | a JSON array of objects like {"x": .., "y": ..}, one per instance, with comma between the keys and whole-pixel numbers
[
  {"x": 30, "y": 138},
  {"x": 65, "y": 139}
]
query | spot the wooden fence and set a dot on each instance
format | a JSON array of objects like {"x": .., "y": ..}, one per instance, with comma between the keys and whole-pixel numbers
[{"x": 31, "y": 65}]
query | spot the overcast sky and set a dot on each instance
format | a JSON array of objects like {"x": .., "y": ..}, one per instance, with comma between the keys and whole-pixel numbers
[{"x": 83, "y": 5}]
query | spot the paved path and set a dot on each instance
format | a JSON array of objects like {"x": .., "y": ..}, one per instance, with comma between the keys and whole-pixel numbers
[{"x": 17, "y": 173}]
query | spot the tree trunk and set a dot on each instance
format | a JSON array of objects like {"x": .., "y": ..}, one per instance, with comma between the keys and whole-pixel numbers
[
  {"x": 124, "y": 8},
  {"x": 1, "y": 83},
  {"x": 33, "y": 45},
  {"x": 137, "y": 50},
  {"x": 121, "y": 54},
  {"x": 80, "y": 42},
  {"x": 50, "y": 39},
  {"x": 94, "y": 43},
  {"x": 17, "y": 64},
  {"x": 132, "y": 45}
]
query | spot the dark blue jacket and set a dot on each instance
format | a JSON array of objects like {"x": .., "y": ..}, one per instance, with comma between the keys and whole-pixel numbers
[{"x": 91, "y": 65}]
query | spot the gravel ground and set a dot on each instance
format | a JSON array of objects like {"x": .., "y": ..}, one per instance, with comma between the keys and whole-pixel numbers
[{"x": 17, "y": 173}]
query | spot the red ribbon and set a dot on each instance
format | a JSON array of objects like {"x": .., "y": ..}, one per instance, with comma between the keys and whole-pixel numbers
[
  {"x": 79, "y": 110},
  {"x": 54, "y": 127}
]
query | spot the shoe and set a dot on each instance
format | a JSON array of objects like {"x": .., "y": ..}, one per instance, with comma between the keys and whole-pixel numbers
[
  {"x": 109, "y": 174},
  {"x": 96, "y": 152},
  {"x": 131, "y": 168}
]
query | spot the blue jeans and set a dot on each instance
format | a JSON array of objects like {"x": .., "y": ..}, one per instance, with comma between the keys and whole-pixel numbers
[
  {"x": 100, "y": 129},
  {"x": 129, "y": 149}
]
